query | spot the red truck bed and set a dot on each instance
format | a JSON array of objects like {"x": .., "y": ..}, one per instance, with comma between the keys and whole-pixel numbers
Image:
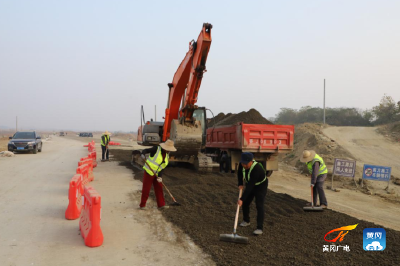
[{"x": 252, "y": 138}]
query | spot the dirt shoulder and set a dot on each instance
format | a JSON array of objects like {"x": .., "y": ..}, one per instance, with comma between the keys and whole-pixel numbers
[
  {"x": 3, "y": 143},
  {"x": 390, "y": 131},
  {"x": 367, "y": 146}
]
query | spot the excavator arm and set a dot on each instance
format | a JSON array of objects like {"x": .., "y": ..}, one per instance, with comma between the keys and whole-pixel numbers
[{"x": 187, "y": 79}]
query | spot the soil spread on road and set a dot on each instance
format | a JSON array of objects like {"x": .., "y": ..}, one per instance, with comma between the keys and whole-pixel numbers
[
  {"x": 250, "y": 117},
  {"x": 291, "y": 236}
]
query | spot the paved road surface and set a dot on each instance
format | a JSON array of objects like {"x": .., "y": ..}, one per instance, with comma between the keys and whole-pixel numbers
[{"x": 33, "y": 199}]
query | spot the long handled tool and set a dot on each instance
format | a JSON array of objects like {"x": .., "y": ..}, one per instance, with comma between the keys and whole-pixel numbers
[
  {"x": 175, "y": 203},
  {"x": 312, "y": 208},
  {"x": 235, "y": 238}
]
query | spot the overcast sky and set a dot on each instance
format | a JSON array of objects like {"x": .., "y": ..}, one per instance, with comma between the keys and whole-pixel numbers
[{"x": 90, "y": 65}]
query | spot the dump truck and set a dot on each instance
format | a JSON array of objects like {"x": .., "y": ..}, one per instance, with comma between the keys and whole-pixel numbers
[{"x": 225, "y": 144}]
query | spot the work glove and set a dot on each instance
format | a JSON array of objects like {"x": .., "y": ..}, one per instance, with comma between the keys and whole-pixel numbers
[
  {"x": 312, "y": 185},
  {"x": 159, "y": 179}
]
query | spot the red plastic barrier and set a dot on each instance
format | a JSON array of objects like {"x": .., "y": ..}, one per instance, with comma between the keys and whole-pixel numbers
[
  {"x": 84, "y": 171},
  {"x": 93, "y": 156},
  {"x": 75, "y": 198},
  {"x": 88, "y": 161},
  {"x": 89, "y": 224},
  {"x": 114, "y": 143},
  {"x": 91, "y": 146},
  {"x": 85, "y": 145}
]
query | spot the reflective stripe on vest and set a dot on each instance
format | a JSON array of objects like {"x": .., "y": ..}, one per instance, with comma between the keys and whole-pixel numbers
[
  {"x": 248, "y": 175},
  {"x": 322, "y": 167},
  {"x": 107, "y": 140},
  {"x": 156, "y": 163}
]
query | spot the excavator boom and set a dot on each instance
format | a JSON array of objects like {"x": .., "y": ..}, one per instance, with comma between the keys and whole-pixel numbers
[{"x": 187, "y": 78}]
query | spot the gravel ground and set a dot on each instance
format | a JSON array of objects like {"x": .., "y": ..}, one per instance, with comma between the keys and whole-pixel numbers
[{"x": 291, "y": 236}]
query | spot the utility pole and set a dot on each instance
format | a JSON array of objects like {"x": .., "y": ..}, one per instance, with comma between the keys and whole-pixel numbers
[{"x": 324, "y": 101}]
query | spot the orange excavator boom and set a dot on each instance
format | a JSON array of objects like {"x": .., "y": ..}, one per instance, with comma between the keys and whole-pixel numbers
[{"x": 187, "y": 78}]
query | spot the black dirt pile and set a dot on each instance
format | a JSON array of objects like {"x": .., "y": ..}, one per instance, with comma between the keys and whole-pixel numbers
[
  {"x": 218, "y": 118},
  {"x": 250, "y": 117},
  {"x": 291, "y": 236}
]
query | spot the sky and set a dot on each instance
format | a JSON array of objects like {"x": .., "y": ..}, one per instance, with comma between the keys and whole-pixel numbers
[{"x": 90, "y": 65}]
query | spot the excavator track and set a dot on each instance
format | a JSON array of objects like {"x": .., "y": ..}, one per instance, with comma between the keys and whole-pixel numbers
[{"x": 205, "y": 164}]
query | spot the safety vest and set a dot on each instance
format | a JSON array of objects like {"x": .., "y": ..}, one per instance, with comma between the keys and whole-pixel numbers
[
  {"x": 322, "y": 167},
  {"x": 156, "y": 163},
  {"x": 107, "y": 140},
  {"x": 247, "y": 180}
]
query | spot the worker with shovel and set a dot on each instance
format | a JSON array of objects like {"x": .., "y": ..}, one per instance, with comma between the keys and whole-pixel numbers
[
  {"x": 254, "y": 175},
  {"x": 154, "y": 165},
  {"x": 105, "y": 139},
  {"x": 318, "y": 171}
]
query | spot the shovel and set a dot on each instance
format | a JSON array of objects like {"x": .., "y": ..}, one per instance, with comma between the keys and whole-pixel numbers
[
  {"x": 235, "y": 238},
  {"x": 312, "y": 208}
]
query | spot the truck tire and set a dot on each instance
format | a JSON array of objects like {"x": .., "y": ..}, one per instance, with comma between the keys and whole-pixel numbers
[
  {"x": 35, "y": 151},
  {"x": 41, "y": 147},
  {"x": 225, "y": 164}
]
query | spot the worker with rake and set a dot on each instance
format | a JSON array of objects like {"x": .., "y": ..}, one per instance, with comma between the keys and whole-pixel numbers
[
  {"x": 105, "y": 140},
  {"x": 153, "y": 167},
  {"x": 254, "y": 175},
  {"x": 318, "y": 171}
]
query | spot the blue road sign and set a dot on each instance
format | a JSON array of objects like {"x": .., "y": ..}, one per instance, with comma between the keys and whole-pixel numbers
[{"x": 376, "y": 172}]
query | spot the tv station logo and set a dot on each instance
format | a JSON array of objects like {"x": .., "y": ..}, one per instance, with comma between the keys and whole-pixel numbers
[{"x": 374, "y": 239}]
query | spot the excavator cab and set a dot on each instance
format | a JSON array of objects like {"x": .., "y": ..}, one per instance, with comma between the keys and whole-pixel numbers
[{"x": 200, "y": 115}]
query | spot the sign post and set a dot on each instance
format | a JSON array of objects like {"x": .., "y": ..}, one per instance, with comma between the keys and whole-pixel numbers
[
  {"x": 345, "y": 168},
  {"x": 377, "y": 173}
]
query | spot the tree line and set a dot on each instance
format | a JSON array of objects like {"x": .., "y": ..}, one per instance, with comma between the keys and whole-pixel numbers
[{"x": 388, "y": 111}]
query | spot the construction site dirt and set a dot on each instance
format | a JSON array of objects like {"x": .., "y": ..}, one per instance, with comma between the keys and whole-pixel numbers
[
  {"x": 250, "y": 117},
  {"x": 291, "y": 236}
]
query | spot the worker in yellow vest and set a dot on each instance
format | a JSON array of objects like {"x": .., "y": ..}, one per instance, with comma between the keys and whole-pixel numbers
[
  {"x": 318, "y": 170},
  {"x": 153, "y": 167},
  {"x": 105, "y": 140}
]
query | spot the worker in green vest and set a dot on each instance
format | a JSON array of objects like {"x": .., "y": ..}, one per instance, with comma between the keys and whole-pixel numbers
[
  {"x": 153, "y": 169},
  {"x": 253, "y": 174},
  {"x": 318, "y": 170},
  {"x": 105, "y": 139}
]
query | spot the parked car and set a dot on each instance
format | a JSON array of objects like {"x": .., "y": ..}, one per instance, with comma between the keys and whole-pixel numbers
[
  {"x": 85, "y": 134},
  {"x": 62, "y": 134},
  {"x": 26, "y": 141}
]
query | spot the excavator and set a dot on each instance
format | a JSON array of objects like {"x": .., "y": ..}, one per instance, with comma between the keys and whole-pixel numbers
[{"x": 185, "y": 122}]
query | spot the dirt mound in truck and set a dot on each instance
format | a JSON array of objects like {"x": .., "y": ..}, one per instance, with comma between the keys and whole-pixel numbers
[
  {"x": 291, "y": 236},
  {"x": 250, "y": 117}
]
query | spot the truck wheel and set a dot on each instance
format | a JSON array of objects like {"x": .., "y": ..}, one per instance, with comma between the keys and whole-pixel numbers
[
  {"x": 225, "y": 164},
  {"x": 41, "y": 147},
  {"x": 35, "y": 151}
]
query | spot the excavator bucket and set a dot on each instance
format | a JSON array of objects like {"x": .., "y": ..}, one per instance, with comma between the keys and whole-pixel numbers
[{"x": 187, "y": 138}]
